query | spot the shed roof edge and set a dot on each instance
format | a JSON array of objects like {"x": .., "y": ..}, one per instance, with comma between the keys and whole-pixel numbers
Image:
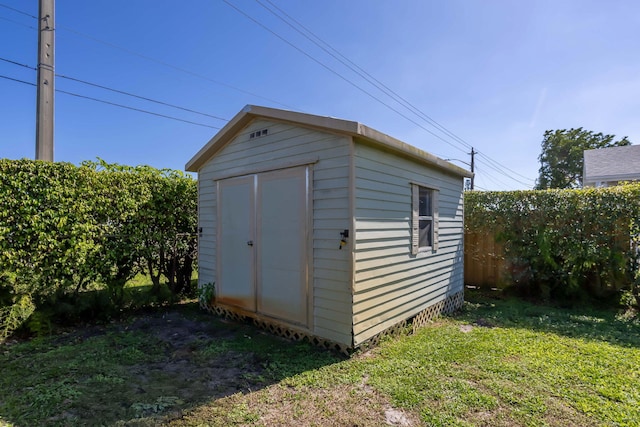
[{"x": 354, "y": 129}]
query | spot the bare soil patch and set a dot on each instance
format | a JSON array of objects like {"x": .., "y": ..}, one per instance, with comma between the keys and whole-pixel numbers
[{"x": 183, "y": 366}]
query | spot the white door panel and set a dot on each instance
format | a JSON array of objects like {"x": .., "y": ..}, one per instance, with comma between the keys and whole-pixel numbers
[
  {"x": 282, "y": 284},
  {"x": 236, "y": 209}
]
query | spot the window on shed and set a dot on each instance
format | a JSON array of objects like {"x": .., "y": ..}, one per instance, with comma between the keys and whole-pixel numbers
[{"x": 424, "y": 223}]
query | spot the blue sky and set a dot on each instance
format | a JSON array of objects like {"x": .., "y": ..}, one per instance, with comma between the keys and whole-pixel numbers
[{"x": 496, "y": 74}]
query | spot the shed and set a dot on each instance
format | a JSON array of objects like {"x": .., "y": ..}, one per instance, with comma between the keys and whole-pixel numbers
[{"x": 325, "y": 228}]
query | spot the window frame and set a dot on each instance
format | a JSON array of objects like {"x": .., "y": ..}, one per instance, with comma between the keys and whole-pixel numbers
[{"x": 416, "y": 218}]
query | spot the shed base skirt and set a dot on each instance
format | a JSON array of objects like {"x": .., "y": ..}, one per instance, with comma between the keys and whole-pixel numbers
[
  {"x": 450, "y": 304},
  {"x": 272, "y": 326}
]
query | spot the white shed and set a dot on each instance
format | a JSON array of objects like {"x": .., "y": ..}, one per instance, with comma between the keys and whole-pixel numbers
[{"x": 325, "y": 228}]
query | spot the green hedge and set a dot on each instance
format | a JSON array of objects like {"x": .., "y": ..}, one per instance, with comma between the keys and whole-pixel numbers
[
  {"x": 564, "y": 244},
  {"x": 65, "y": 228}
]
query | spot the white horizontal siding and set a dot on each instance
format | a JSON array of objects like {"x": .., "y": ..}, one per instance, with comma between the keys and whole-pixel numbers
[
  {"x": 385, "y": 319},
  {"x": 391, "y": 284},
  {"x": 334, "y": 293},
  {"x": 376, "y": 275},
  {"x": 288, "y": 144},
  {"x": 206, "y": 239},
  {"x": 382, "y": 275}
]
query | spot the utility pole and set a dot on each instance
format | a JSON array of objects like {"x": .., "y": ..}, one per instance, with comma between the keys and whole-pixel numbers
[
  {"x": 46, "y": 76},
  {"x": 473, "y": 154}
]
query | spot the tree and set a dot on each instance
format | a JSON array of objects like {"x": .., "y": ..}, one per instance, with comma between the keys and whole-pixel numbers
[{"x": 561, "y": 160}]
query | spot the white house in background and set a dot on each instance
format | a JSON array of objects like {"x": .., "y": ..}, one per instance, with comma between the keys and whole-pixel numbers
[
  {"x": 325, "y": 228},
  {"x": 605, "y": 167}
]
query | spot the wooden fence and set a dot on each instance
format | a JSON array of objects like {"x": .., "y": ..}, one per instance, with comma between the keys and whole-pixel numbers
[
  {"x": 486, "y": 266},
  {"x": 484, "y": 261}
]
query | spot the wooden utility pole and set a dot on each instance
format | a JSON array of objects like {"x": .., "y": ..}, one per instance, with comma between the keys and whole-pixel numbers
[
  {"x": 46, "y": 77},
  {"x": 473, "y": 164}
]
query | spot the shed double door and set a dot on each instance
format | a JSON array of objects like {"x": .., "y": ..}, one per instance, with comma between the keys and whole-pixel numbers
[{"x": 262, "y": 246}]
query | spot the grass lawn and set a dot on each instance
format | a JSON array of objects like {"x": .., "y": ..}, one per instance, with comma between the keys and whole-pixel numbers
[{"x": 497, "y": 363}]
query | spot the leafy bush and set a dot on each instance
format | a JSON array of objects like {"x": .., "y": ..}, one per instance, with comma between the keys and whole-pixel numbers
[
  {"x": 14, "y": 315},
  {"x": 564, "y": 244},
  {"x": 47, "y": 230},
  {"x": 64, "y": 229},
  {"x": 154, "y": 228}
]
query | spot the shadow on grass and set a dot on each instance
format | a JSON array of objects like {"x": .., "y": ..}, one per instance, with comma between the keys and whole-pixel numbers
[
  {"x": 146, "y": 368},
  {"x": 587, "y": 322},
  {"x": 98, "y": 305}
]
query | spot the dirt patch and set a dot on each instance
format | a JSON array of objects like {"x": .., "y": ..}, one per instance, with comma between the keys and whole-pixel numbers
[
  {"x": 466, "y": 328},
  {"x": 236, "y": 387},
  {"x": 179, "y": 328},
  {"x": 182, "y": 366},
  {"x": 302, "y": 406},
  {"x": 196, "y": 364},
  {"x": 485, "y": 323}
]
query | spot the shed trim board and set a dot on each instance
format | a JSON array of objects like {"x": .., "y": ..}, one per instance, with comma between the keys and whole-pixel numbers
[
  {"x": 352, "y": 228},
  {"x": 326, "y": 249},
  {"x": 309, "y": 248},
  {"x": 257, "y": 169},
  {"x": 352, "y": 215}
]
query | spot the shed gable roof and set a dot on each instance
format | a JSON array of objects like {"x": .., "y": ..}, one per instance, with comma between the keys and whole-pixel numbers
[
  {"x": 346, "y": 127},
  {"x": 612, "y": 164}
]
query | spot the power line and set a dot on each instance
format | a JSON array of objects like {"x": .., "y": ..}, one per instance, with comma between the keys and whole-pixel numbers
[
  {"x": 18, "y": 23},
  {"x": 136, "y": 109},
  {"x": 315, "y": 39},
  {"x": 157, "y": 61},
  {"x": 494, "y": 179},
  {"x": 498, "y": 168},
  {"x": 501, "y": 172},
  {"x": 119, "y": 91},
  {"x": 506, "y": 168},
  {"x": 16, "y": 80},
  {"x": 18, "y": 11},
  {"x": 326, "y": 47},
  {"x": 115, "y": 104},
  {"x": 331, "y": 70},
  {"x": 17, "y": 63},
  {"x": 166, "y": 64},
  {"x": 309, "y": 35},
  {"x": 140, "y": 97}
]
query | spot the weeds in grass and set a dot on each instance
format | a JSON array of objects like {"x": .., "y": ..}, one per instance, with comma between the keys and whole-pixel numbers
[
  {"x": 160, "y": 405},
  {"x": 241, "y": 414}
]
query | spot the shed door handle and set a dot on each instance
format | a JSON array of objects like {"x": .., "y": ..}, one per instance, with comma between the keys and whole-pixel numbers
[{"x": 250, "y": 243}]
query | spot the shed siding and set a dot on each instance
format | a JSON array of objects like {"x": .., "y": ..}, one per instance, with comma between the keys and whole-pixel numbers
[
  {"x": 287, "y": 144},
  {"x": 391, "y": 284},
  {"x": 207, "y": 238}
]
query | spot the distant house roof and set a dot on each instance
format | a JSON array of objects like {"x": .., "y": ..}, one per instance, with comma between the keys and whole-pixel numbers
[
  {"x": 330, "y": 124},
  {"x": 611, "y": 164}
]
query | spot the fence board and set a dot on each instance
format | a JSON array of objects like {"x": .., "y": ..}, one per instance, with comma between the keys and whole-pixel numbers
[{"x": 484, "y": 261}]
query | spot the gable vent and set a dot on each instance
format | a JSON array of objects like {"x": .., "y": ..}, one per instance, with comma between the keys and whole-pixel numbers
[{"x": 258, "y": 133}]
